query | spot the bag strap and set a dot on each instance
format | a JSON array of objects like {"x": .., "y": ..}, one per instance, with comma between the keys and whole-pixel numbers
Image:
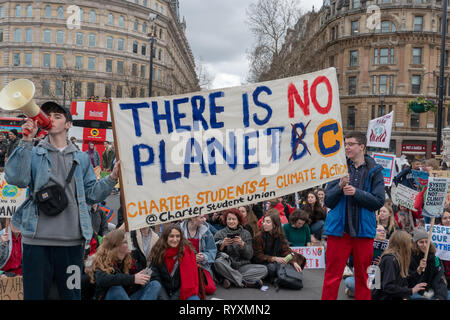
[{"x": 72, "y": 170}]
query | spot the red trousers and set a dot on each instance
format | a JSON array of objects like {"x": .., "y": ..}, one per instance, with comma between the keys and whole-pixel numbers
[{"x": 337, "y": 254}]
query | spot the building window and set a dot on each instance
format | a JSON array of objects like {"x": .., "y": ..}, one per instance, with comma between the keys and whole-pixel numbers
[
  {"x": 418, "y": 23},
  {"x": 374, "y": 85},
  {"x": 134, "y": 69},
  {"x": 29, "y": 35},
  {"x": 355, "y": 4},
  {"x": 383, "y": 84},
  {"x": 144, "y": 50},
  {"x": 58, "y": 88},
  {"x": 133, "y": 92},
  {"x": 109, "y": 65},
  {"x": 159, "y": 54},
  {"x": 136, "y": 25},
  {"x": 91, "y": 63},
  {"x": 60, "y": 37},
  {"x": 135, "y": 47},
  {"x": 92, "y": 40},
  {"x": 351, "y": 85},
  {"x": 78, "y": 62},
  {"x": 391, "y": 84},
  {"x": 332, "y": 61},
  {"x": 355, "y": 27},
  {"x": 415, "y": 84},
  {"x": 120, "y": 67},
  {"x": 161, "y": 33},
  {"x": 17, "y": 35},
  {"x": 60, "y": 12},
  {"x": 144, "y": 27},
  {"x": 48, "y": 11},
  {"x": 111, "y": 19},
  {"x": 92, "y": 16},
  {"x": 119, "y": 92},
  {"x": 46, "y": 60},
  {"x": 142, "y": 93},
  {"x": 351, "y": 117},
  {"x": 109, "y": 42},
  {"x": 415, "y": 120},
  {"x": 381, "y": 110},
  {"x": 120, "y": 44},
  {"x": 28, "y": 60},
  {"x": 16, "y": 59},
  {"x": 2, "y": 13},
  {"x": 78, "y": 89},
  {"x": 383, "y": 56},
  {"x": 144, "y": 3},
  {"x": 353, "y": 58},
  {"x": 373, "y": 112},
  {"x": 108, "y": 90},
  {"x": 47, "y": 36},
  {"x": 90, "y": 89},
  {"x": 417, "y": 55},
  {"x": 79, "y": 39},
  {"x": 59, "y": 61},
  {"x": 385, "y": 1},
  {"x": 1, "y": 35},
  {"x": 81, "y": 14},
  {"x": 29, "y": 11},
  {"x": 18, "y": 11},
  {"x": 45, "y": 87},
  {"x": 143, "y": 71},
  {"x": 121, "y": 21}
]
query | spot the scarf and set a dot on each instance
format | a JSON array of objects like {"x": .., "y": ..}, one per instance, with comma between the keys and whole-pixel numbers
[{"x": 188, "y": 271}]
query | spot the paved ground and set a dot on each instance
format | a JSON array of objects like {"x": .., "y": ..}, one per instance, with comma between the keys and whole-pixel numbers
[{"x": 312, "y": 281}]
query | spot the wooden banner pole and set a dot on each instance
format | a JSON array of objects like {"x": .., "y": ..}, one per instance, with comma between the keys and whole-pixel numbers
[{"x": 430, "y": 233}]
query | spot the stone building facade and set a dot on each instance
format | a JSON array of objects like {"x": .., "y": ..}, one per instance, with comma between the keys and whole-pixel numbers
[
  {"x": 106, "y": 54},
  {"x": 380, "y": 67}
]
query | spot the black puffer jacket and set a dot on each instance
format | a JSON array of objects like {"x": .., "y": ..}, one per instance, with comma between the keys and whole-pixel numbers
[
  {"x": 433, "y": 275},
  {"x": 172, "y": 284}
]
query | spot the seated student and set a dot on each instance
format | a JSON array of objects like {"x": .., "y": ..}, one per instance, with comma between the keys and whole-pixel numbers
[
  {"x": 394, "y": 267},
  {"x": 251, "y": 222},
  {"x": 271, "y": 211},
  {"x": 143, "y": 241},
  {"x": 385, "y": 217},
  {"x": 112, "y": 272},
  {"x": 174, "y": 265},
  {"x": 11, "y": 252},
  {"x": 196, "y": 231},
  {"x": 297, "y": 231},
  {"x": 235, "y": 251},
  {"x": 270, "y": 247},
  {"x": 430, "y": 271},
  {"x": 317, "y": 215},
  {"x": 350, "y": 280}
]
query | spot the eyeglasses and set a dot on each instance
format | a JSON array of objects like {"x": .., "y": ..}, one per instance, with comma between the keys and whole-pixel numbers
[
  {"x": 381, "y": 230},
  {"x": 351, "y": 144}
]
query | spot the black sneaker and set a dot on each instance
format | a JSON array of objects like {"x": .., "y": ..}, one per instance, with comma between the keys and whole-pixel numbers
[
  {"x": 257, "y": 284},
  {"x": 226, "y": 283}
]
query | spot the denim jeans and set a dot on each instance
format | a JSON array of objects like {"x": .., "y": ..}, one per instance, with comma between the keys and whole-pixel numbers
[
  {"x": 317, "y": 229},
  {"x": 149, "y": 292}
]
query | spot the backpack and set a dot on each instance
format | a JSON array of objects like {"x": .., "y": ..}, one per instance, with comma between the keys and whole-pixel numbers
[{"x": 289, "y": 278}]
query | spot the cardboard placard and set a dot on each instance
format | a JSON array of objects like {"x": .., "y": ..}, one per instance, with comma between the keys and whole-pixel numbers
[
  {"x": 315, "y": 256},
  {"x": 11, "y": 288}
]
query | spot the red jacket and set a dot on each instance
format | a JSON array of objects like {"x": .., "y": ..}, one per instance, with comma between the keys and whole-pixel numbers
[{"x": 418, "y": 205}]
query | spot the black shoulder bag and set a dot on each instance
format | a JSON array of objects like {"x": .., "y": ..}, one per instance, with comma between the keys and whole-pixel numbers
[{"x": 52, "y": 200}]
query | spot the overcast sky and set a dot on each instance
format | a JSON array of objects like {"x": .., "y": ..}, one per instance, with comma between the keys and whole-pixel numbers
[{"x": 220, "y": 38}]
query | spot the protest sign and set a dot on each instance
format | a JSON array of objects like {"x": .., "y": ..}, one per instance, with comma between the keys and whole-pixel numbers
[
  {"x": 11, "y": 288},
  {"x": 420, "y": 178},
  {"x": 202, "y": 152},
  {"x": 387, "y": 161},
  {"x": 435, "y": 199},
  {"x": 315, "y": 256},
  {"x": 441, "y": 239},
  {"x": 11, "y": 197},
  {"x": 442, "y": 174},
  {"x": 379, "y": 131},
  {"x": 403, "y": 196},
  {"x": 378, "y": 248}
]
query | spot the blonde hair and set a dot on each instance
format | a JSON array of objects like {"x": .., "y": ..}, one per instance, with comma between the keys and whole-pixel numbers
[
  {"x": 106, "y": 255},
  {"x": 392, "y": 223},
  {"x": 400, "y": 246}
]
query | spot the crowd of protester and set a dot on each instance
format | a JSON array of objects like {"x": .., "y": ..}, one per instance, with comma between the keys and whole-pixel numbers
[{"x": 244, "y": 247}]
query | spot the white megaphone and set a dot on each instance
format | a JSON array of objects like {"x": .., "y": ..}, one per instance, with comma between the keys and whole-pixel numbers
[{"x": 18, "y": 95}]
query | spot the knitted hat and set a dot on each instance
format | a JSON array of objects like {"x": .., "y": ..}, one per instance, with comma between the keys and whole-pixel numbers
[{"x": 419, "y": 234}]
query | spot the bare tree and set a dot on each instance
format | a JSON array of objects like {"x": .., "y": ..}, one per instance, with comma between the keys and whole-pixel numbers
[
  {"x": 204, "y": 76},
  {"x": 269, "y": 21}
]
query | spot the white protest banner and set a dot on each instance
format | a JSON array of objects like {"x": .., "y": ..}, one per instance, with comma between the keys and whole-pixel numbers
[
  {"x": 441, "y": 240},
  {"x": 387, "y": 161},
  {"x": 11, "y": 197},
  {"x": 435, "y": 199},
  {"x": 403, "y": 196},
  {"x": 442, "y": 174},
  {"x": 202, "y": 152},
  {"x": 379, "y": 131},
  {"x": 315, "y": 256}
]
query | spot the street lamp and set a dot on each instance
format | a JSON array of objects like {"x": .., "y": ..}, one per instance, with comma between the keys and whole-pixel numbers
[
  {"x": 441, "y": 78},
  {"x": 65, "y": 77},
  {"x": 152, "y": 17}
]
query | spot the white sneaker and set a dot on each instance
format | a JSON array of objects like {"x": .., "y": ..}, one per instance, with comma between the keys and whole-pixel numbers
[{"x": 347, "y": 272}]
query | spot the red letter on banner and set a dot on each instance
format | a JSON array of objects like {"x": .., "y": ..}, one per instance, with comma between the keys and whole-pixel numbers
[
  {"x": 293, "y": 94},
  {"x": 316, "y": 104}
]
